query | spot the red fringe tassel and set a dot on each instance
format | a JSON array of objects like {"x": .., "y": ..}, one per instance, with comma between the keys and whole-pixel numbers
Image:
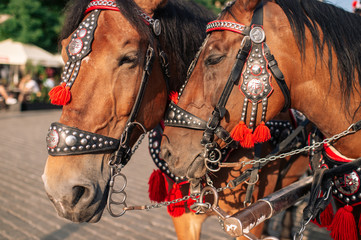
[
  {"x": 239, "y": 131},
  {"x": 343, "y": 226},
  {"x": 157, "y": 186},
  {"x": 173, "y": 96},
  {"x": 261, "y": 133},
  {"x": 60, "y": 95},
  {"x": 176, "y": 209},
  {"x": 245, "y": 137}
]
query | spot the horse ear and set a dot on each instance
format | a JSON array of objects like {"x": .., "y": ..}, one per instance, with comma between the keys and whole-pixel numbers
[{"x": 149, "y": 6}]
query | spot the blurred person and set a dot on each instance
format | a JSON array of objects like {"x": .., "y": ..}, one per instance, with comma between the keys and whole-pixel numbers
[
  {"x": 27, "y": 86},
  {"x": 8, "y": 100},
  {"x": 356, "y": 7}
]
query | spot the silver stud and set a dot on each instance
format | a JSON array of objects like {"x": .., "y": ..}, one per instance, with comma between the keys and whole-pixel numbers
[
  {"x": 84, "y": 141},
  {"x": 70, "y": 140}
]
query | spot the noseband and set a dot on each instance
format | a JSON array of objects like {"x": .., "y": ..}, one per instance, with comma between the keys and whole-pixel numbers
[{"x": 255, "y": 56}]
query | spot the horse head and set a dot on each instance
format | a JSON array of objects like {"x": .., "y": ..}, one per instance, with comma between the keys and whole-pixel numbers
[
  {"x": 205, "y": 92},
  {"x": 114, "y": 88}
]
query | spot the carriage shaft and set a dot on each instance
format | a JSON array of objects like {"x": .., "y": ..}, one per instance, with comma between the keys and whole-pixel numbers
[{"x": 243, "y": 221}]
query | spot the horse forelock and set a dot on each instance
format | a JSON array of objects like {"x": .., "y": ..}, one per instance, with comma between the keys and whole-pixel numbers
[{"x": 330, "y": 27}]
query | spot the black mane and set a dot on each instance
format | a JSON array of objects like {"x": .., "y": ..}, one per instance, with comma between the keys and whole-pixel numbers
[
  {"x": 183, "y": 29},
  {"x": 340, "y": 32}
]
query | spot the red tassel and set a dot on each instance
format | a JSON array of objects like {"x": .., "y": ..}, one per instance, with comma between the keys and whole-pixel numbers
[
  {"x": 248, "y": 141},
  {"x": 60, "y": 95},
  {"x": 173, "y": 96},
  {"x": 157, "y": 186},
  {"x": 343, "y": 226},
  {"x": 261, "y": 133},
  {"x": 239, "y": 131},
  {"x": 176, "y": 209},
  {"x": 326, "y": 216}
]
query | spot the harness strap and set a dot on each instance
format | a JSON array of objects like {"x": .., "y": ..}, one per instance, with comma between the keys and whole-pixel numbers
[
  {"x": 282, "y": 147},
  {"x": 220, "y": 110},
  {"x": 280, "y": 79}
]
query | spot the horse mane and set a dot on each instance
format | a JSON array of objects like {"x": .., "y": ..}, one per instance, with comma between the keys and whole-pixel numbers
[
  {"x": 183, "y": 29},
  {"x": 340, "y": 32}
]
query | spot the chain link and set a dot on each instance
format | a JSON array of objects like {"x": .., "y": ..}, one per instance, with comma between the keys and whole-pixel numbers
[
  {"x": 304, "y": 149},
  {"x": 136, "y": 146},
  {"x": 251, "y": 162}
]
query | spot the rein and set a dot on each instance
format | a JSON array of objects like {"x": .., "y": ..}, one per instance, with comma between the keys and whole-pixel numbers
[{"x": 63, "y": 140}]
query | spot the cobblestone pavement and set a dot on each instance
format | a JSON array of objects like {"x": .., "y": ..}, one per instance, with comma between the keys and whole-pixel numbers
[{"x": 26, "y": 212}]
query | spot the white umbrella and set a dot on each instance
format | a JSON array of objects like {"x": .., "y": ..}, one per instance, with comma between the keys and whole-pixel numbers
[{"x": 16, "y": 53}]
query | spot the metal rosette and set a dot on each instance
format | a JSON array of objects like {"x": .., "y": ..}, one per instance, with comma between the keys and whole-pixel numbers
[
  {"x": 256, "y": 84},
  {"x": 345, "y": 187},
  {"x": 155, "y": 138}
]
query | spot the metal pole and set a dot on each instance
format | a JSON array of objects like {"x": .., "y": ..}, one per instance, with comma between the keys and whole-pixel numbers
[{"x": 243, "y": 221}]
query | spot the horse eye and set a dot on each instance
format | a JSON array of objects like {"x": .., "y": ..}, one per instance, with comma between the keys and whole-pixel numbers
[
  {"x": 127, "y": 60},
  {"x": 214, "y": 59}
]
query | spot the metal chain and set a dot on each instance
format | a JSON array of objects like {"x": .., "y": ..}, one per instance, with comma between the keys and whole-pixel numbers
[
  {"x": 304, "y": 149},
  {"x": 136, "y": 146},
  {"x": 251, "y": 162}
]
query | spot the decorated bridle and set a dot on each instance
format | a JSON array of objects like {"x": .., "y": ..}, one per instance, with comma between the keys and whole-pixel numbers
[
  {"x": 63, "y": 140},
  {"x": 254, "y": 64}
]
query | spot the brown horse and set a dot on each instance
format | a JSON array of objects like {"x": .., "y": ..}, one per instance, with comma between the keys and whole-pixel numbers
[
  {"x": 115, "y": 86},
  {"x": 316, "y": 49}
]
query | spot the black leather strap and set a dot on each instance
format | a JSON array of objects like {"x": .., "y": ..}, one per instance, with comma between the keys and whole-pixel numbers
[
  {"x": 257, "y": 18},
  {"x": 280, "y": 79}
]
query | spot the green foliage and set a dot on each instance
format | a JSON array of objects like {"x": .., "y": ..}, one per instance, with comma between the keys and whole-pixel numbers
[
  {"x": 211, "y": 4},
  {"x": 31, "y": 22},
  {"x": 39, "y": 21}
]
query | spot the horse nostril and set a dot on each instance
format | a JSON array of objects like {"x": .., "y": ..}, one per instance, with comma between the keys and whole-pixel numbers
[
  {"x": 78, "y": 193},
  {"x": 165, "y": 153}
]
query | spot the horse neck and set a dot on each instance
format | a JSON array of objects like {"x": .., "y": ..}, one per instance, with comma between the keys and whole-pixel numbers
[{"x": 320, "y": 99}]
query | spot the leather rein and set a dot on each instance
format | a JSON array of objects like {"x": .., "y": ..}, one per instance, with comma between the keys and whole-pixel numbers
[
  {"x": 63, "y": 140},
  {"x": 178, "y": 117}
]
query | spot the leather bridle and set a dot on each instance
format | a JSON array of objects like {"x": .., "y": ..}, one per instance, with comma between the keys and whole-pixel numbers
[
  {"x": 63, "y": 140},
  {"x": 178, "y": 117}
]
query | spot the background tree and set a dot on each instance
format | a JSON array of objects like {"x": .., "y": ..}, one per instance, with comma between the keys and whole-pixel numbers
[
  {"x": 39, "y": 21},
  {"x": 32, "y": 21}
]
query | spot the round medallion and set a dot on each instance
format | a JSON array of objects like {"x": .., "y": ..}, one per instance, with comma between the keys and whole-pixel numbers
[
  {"x": 157, "y": 28},
  {"x": 348, "y": 184},
  {"x": 75, "y": 46},
  {"x": 257, "y": 35},
  {"x": 82, "y": 33},
  {"x": 52, "y": 139},
  {"x": 256, "y": 69},
  {"x": 255, "y": 87},
  {"x": 70, "y": 140}
]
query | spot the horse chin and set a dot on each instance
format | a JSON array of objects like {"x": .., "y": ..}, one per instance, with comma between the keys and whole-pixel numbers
[{"x": 197, "y": 169}]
